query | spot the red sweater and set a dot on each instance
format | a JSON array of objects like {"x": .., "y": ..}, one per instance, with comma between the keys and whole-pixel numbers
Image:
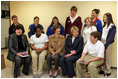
[{"x": 77, "y": 23}]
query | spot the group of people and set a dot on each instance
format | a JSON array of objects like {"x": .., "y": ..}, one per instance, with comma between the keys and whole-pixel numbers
[{"x": 74, "y": 44}]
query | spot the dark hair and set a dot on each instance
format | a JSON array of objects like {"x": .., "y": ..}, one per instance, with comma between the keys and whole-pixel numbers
[
  {"x": 74, "y": 8},
  {"x": 14, "y": 16},
  {"x": 109, "y": 19},
  {"x": 37, "y": 27},
  {"x": 55, "y": 27},
  {"x": 95, "y": 34},
  {"x": 53, "y": 19},
  {"x": 19, "y": 26},
  {"x": 97, "y": 11},
  {"x": 36, "y": 17}
]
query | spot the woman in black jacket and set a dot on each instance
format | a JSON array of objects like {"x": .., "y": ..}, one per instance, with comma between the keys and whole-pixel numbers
[
  {"x": 73, "y": 47},
  {"x": 19, "y": 51}
]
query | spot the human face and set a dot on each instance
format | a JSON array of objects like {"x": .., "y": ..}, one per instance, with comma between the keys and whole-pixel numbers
[
  {"x": 104, "y": 18},
  {"x": 58, "y": 30},
  {"x": 18, "y": 32},
  {"x": 88, "y": 23},
  {"x": 15, "y": 20},
  {"x": 38, "y": 32},
  {"x": 55, "y": 21},
  {"x": 75, "y": 33},
  {"x": 93, "y": 14},
  {"x": 36, "y": 21},
  {"x": 92, "y": 39},
  {"x": 73, "y": 13}
]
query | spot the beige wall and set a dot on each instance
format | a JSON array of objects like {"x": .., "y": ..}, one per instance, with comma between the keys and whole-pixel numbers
[{"x": 46, "y": 10}]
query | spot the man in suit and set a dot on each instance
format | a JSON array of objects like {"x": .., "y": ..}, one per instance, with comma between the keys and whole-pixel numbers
[{"x": 18, "y": 47}]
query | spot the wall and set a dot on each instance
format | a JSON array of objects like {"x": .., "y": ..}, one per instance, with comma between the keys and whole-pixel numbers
[
  {"x": 4, "y": 24},
  {"x": 26, "y": 10}
]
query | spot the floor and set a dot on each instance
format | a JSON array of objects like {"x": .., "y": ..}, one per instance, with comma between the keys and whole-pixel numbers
[{"x": 7, "y": 71}]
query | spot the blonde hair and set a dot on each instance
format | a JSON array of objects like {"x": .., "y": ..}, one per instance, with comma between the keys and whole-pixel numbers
[
  {"x": 90, "y": 20},
  {"x": 74, "y": 28}
]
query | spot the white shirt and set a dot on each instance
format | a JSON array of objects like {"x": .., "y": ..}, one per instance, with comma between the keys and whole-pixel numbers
[
  {"x": 96, "y": 50},
  {"x": 87, "y": 31},
  {"x": 105, "y": 31},
  {"x": 73, "y": 38},
  {"x": 39, "y": 42},
  {"x": 73, "y": 19}
]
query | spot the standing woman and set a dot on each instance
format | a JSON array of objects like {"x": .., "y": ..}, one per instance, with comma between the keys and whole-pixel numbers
[
  {"x": 54, "y": 22},
  {"x": 88, "y": 29},
  {"x": 97, "y": 22},
  {"x": 108, "y": 36},
  {"x": 73, "y": 20}
]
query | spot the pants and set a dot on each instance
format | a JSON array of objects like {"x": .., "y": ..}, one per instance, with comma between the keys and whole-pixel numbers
[
  {"x": 67, "y": 65},
  {"x": 108, "y": 58},
  {"x": 92, "y": 66},
  {"x": 19, "y": 61},
  {"x": 38, "y": 68},
  {"x": 56, "y": 61}
]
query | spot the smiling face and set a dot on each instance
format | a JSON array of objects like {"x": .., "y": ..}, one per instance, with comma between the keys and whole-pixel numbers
[
  {"x": 73, "y": 13},
  {"x": 58, "y": 30},
  {"x": 18, "y": 32},
  {"x": 36, "y": 21},
  {"x": 15, "y": 20},
  {"x": 104, "y": 18},
  {"x": 92, "y": 39},
  {"x": 75, "y": 33},
  {"x": 94, "y": 15},
  {"x": 55, "y": 21},
  {"x": 88, "y": 23}
]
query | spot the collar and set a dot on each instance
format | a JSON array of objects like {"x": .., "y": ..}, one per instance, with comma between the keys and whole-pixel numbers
[{"x": 95, "y": 20}]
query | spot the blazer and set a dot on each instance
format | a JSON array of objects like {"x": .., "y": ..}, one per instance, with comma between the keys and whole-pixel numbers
[
  {"x": 77, "y": 45},
  {"x": 13, "y": 46},
  {"x": 56, "y": 44},
  {"x": 77, "y": 23}
]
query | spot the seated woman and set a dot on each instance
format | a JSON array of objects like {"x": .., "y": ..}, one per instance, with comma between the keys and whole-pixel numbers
[
  {"x": 38, "y": 44},
  {"x": 54, "y": 22},
  {"x": 19, "y": 51},
  {"x": 87, "y": 30},
  {"x": 73, "y": 47},
  {"x": 56, "y": 49}
]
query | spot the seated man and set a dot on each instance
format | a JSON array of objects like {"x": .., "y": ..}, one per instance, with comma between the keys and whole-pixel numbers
[
  {"x": 39, "y": 44},
  {"x": 19, "y": 51},
  {"x": 92, "y": 56}
]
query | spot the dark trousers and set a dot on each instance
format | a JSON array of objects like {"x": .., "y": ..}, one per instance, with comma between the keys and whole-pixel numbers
[
  {"x": 56, "y": 61},
  {"x": 67, "y": 65},
  {"x": 19, "y": 61}
]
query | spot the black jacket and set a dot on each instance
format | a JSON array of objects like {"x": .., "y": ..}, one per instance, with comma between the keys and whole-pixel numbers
[
  {"x": 13, "y": 46},
  {"x": 77, "y": 44},
  {"x": 11, "y": 29}
]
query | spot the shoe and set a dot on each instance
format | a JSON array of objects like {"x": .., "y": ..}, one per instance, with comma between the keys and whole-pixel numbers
[
  {"x": 101, "y": 72},
  {"x": 26, "y": 73},
  {"x": 108, "y": 74},
  {"x": 15, "y": 76},
  {"x": 54, "y": 76},
  {"x": 34, "y": 75},
  {"x": 50, "y": 75}
]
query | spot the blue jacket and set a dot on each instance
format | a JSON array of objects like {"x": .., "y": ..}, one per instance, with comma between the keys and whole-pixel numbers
[
  {"x": 110, "y": 36},
  {"x": 31, "y": 29},
  {"x": 98, "y": 24},
  {"x": 50, "y": 32}
]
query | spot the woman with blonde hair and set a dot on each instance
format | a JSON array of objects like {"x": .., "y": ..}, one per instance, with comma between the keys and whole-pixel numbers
[
  {"x": 88, "y": 29},
  {"x": 73, "y": 47}
]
